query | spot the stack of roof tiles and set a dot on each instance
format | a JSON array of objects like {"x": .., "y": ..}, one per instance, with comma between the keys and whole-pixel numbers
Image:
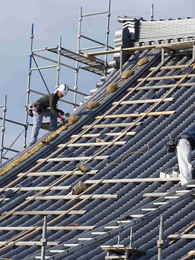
[{"x": 133, "y": 149}]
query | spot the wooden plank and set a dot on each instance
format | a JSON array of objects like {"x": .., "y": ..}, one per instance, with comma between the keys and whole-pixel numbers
[
  {"x": 52, "y": 228},
  {"x": 60, "y": 173},
  {"x": 111, "y": 227},
  {"x": 143, "y": 101},
  {"x": 136, "y": 180},
  {"x": 168, "y": 77},
  {"x": 38, "y": 188},
  {"x": 163, "y": 86},
  {"x": 68, "y": 159},
  {"x": 108, "y": 134},
  {"x": 185, "y": 236},
  {"x": 91, "y": 144},
  {"x": 70, "y": 245},
  {"x": 27, "y": 243},
  {"x": 111, "y": 125},
  {"x": 84, "y": 238},
  {"x": 155, "y": 194},
  {"x": 171, "y": 46},
  {"x": 149, "y": 209},
  {"x": 98, "y": 232},
  {"x": 137, "y": 114},
  {"x": 115, "y": 257},
  {"x": 172, "y": 67},
  {"x": 74, "y": 197},
  {"x": 45, "y": 212}
]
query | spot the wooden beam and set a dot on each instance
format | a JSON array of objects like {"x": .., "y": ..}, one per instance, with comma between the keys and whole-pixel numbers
[
  {"x": 45, "y": 212},
  {"x": 60, "y": 173},
  {"x": 173, "y": 67},
  {"x": 143, "y": 101},
  {"x": 168, "y": 77},
  {"x": 68, "y": 159},
  {"x": 74, "y": 197},
  {"x": 163, "y": 86},
  {"x": 136, "y": 180},
  {"x": 137, "y": 114},
  {"x": 168, "y": 46},
  {"x": 103, "y": 181},
  {"x": 84, "y": 238},
  {"x": 108, "y": 134},
  {"x": 91, "y": 144},
  {"x": 185, "y": 236},
  {"x": 155, "y": 194},
  {"x": 52, "y": 228},
  {"x": 27, "y": 243},
  {"x": 110, "y": 125},
  {"x": 37, "y": 188}
]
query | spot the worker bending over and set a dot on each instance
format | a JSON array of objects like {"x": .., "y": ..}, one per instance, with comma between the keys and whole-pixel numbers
[
  {"x": 46, "y": 106},
  {"x": 184, "y": 146}
]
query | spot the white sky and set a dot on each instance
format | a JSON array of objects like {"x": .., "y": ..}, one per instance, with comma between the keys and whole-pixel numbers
[{"x": 52, "y": 19}]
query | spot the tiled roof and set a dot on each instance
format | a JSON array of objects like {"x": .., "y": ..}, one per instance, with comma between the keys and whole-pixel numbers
[{"x": 124, "y": 171}]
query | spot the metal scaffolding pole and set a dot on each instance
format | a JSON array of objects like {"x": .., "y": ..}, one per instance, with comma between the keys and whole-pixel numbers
[
  {"x": 58, "y": 64},
  {"x": 108, "y": 30},
  {"x": 160, "y": 240},
  {"x": 78, "y": 51},
  {"x": 44, "y": 238},
  {"x": 29, "y": 85},
  {"x": 3, "y": 129}
]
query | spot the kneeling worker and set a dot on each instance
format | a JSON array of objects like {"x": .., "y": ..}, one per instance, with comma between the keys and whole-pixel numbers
[
  {"x": 184, "y": 146},
  {"x": 46, "y": 106}
]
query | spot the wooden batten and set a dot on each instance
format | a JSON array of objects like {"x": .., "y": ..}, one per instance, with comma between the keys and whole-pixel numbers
[{"x": 138, "y": 114}]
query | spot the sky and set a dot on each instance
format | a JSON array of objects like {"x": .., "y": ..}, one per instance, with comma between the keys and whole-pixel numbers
[{"x": 52, "y": 20}]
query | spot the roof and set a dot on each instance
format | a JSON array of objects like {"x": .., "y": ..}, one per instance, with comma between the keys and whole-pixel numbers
[{"x": 122, "y": 143}]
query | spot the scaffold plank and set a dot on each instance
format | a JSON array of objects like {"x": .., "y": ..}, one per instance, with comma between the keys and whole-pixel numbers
[{"x": 94, "y": 65}]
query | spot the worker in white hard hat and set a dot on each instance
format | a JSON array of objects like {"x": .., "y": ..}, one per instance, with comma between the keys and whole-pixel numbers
[{"x": 46, "y": 106}]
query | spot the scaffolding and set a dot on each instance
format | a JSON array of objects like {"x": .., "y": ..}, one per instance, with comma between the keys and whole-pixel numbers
[
  {"x": 81, "y": 62},
  {"x": 3, "y": 117}
]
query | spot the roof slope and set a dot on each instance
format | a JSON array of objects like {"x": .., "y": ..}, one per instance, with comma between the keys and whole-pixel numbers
[{"x": 117, "y": 170}]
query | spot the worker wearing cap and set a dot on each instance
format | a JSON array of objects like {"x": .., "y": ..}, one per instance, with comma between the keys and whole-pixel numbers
[{"x": 46, "y": 106}]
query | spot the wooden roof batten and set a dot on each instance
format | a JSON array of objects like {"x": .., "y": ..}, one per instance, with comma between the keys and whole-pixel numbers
[{"x": 168, "y": 46}]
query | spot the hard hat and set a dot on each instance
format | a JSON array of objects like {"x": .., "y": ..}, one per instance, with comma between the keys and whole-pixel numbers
[{"x": 61, "y": 88}]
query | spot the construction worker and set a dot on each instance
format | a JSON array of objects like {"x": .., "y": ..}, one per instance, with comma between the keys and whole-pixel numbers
[
  {"x": 46, "y": 106},
  {"x": 184, "y": 146}
]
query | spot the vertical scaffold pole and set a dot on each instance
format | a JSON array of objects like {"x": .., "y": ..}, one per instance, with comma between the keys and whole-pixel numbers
[
  {"x": 131, "y": 238},
  {"x": 44, "y": 238},
  {"x": 59, "y": 59},
  {"x": 29, "y": 85},
  {"x": 78, "y": 51},
  {"x": 152, "y": 13},
  {"x": 160, "y": 240},
  {"x": 3, "y": 128},
  {"x": 108, "y": 30}
]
